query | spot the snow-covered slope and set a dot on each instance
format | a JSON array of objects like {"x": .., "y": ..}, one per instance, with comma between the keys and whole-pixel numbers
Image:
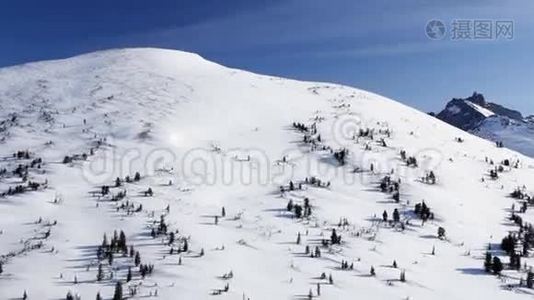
[
  {"x": 204, "y": 137},
  {"x": 518, "y": 135}
]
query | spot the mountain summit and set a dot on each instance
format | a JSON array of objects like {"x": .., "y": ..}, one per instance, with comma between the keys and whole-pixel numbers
[{"x": 491, "y": 121}]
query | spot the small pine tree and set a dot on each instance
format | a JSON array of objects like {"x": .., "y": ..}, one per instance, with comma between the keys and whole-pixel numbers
[
  {"x": 487, "y": 262},
  {"x": 372, "y": 272},
  {"x": 497, "y": 266},
  {"x": 100, "y": 273},
  {"x": 1, "y": 269},
  {"x": 298, "y": 240},
  {"x": 137, "y": 259},
  {"x": 530, "y": 279},
  {"x": 117, "y": 295},
  {"x": 98, "y": 297},
  {"x": 129, "y": 276},
  {"x": 403, "y": 276},
  {"x": 24, "y": 295},
  {"x": 69, "y": 296}
]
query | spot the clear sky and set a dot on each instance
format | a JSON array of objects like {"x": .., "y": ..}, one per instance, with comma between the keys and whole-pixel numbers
[{"x": 375, "y": 45}]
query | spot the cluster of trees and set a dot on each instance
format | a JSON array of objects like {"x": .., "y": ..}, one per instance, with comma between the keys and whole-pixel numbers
[
  {"x": 388, "y": 185},
  {"x": 429, "y": 178},
  {"x": 345, "y": 265},
  {"x": 520, "y": 194},
  {"x": 335, "y": 238},
  {"x": 22, "y": 188},
  {"x": 396, "y": 216},
  {"x": 301, "y": 127},
  {"x": 22, "y": 154},
  {"x": 368, "y": 133},
  {"x": 300, "y": 211},
  {"x": 160, "y": 229},
  {"x": 493, "y": 265},
  {"x": 127, "y": 179},
  {"x": 316, "y": 182},
  {"x": 494, "y": 173},
  {"x": 308, "y": 181},
  {"x": 117, "y": 244},
  {"x": 409, "y": 160},
  {"x": 340, "y": 155},
  {"x": 316, "y": 253},
  {"x": 70, "y": 158},
  {"x": 524, "y": 240},
  {"x": 423, "y": 211}
]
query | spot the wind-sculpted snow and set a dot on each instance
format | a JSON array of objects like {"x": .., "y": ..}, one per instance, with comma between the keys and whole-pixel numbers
[{"x": 229, "y": 185}]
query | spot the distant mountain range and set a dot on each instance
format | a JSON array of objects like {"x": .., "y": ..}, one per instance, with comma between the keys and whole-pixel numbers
[{"x": 491, "y": 121}]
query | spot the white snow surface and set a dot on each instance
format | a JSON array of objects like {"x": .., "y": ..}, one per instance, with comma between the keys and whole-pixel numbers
[
  {"x": 518, "y": 135},
  {"x": 484, "y": 111},
  {"x": 174, "y": 116}
]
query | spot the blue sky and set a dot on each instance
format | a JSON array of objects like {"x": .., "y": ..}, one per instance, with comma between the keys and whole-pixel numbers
[{"x": 375, "y": 45}]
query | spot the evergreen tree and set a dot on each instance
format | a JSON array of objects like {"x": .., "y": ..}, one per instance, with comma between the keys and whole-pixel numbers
[
  {"x": 98, "y": 297},
  {"x": 122, "y": 242},
  {"x": 334, "y": 238},
  {"x": 129, "y": 276},
  {"x": 100, "y": 273},
  {"x": 186, "y": 246},
  {"x": 403, "y": 276},
  {"x": 69, "y": 296},
  {"x": 487, "y": 262},
  {"x": 137, "y": 259},
  {"x": 118, "y": 291},
  {"x": 290, "y": 205},
  {"x": 298, "y": 242},
  {"x": 171, "y": 238},
  {"x": 497, "y": 266},
  {"x": 530, "y": 279},
  {"x": 396, "y": 216},
  {"x": 441, "y": 232},
  {"x": 372, "y": 272}
]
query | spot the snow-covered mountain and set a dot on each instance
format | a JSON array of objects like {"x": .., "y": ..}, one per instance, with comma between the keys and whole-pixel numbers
[
  {"x": 491, "y": 121},
  {"x": 249, "y": 187}
]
